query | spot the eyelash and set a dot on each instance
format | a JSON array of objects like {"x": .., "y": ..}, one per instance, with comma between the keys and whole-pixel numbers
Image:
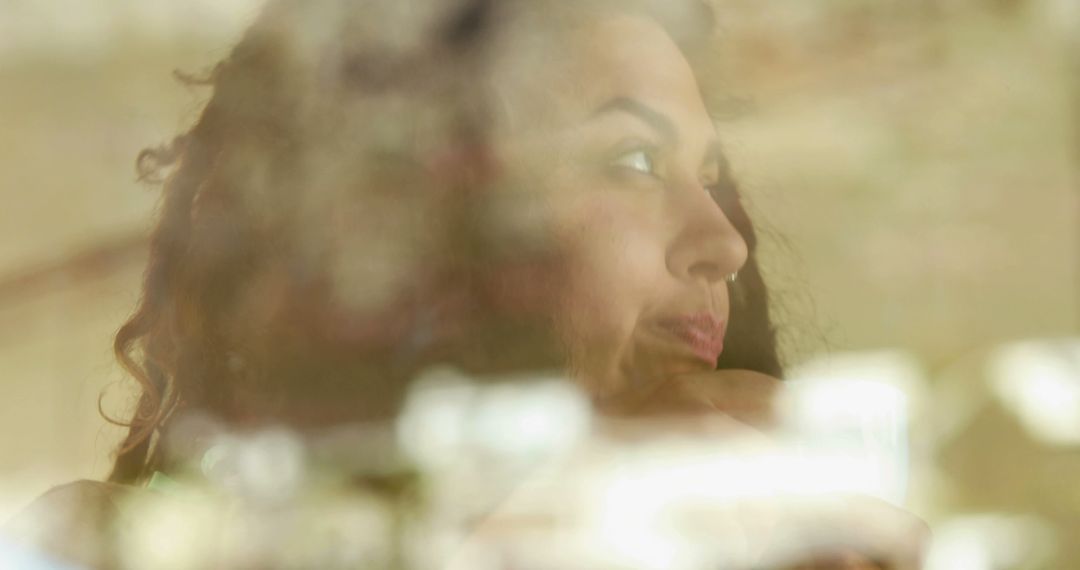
[{"x": 649, "y": 151}]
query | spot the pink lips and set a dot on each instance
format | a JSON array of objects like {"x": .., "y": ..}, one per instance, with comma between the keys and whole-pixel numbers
[{"x": 702, "y": 332}]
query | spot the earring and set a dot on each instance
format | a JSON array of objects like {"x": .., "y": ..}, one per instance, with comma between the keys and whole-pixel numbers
[{"x": 731, "y": 278}]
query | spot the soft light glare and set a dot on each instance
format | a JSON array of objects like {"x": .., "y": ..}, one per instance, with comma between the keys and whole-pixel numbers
[
  {"x": 431, "y": 428},
  {"x": 651, "y": 505},
  {"x": 529, "y": 420},
  {"x": 13, "y": 555},
  {"x": 847, "y": 416},
  {"x": 446, "y": 416},
  {"x": 1040, "y": 383},
  {"x": 989, "y": 542},
  {"x": 170, "y": 534}
]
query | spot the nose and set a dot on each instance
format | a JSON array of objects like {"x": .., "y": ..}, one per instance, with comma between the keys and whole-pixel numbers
[{"x": 705, "y": 245}]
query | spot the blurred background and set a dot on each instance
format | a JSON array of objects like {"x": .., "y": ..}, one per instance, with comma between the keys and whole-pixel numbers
[{"x": 915, "y": 165}]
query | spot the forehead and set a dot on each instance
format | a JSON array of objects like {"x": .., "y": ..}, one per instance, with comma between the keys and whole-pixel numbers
[{"x": 566, "y": 75}]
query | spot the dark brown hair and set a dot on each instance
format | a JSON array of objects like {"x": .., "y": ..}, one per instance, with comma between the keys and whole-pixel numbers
[{"x": 226, "y": 262}]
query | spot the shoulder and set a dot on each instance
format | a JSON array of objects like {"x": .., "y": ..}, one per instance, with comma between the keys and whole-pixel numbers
[{"x": 71, "y": 522}]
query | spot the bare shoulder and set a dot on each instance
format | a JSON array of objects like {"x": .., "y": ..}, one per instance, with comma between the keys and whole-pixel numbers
[{"x": 71, "y": 522}]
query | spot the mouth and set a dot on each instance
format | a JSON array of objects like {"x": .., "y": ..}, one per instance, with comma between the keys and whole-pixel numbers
[{"x": 701, "y": 333}]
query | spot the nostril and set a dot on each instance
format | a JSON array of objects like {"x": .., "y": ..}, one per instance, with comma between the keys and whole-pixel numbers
[{"x": 707, "y": 270}]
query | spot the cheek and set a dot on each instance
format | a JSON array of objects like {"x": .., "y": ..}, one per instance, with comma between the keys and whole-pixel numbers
[{"x": 615, "y": 266}]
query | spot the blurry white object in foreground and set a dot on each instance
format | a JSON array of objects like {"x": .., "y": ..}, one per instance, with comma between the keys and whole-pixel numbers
[
  {"x": 1039, "y": 381},
  {"x": 989, "y": 542},
  {"x": 448, "y": 416},
  {"x": 693, "y": 495},
  {"x": 846, "y": 417}
]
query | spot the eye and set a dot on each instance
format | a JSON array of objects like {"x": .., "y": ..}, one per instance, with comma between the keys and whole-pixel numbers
[{"x": 639, "y": 160}]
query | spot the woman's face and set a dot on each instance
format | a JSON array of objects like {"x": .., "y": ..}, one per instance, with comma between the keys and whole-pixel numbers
[{"x": 610, "y": 138}]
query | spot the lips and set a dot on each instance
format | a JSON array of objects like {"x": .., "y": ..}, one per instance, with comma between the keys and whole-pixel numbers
[{"x": 702, "y": 333}]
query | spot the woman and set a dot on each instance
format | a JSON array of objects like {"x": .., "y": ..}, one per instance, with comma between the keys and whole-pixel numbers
[
  {"x": 320, "y": 219},
  {"x": 375, "y": 189}
]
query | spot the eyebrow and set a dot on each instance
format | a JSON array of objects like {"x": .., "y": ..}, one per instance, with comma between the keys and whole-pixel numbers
[
  {"x": 664, "y": 125},
  {"x": 652, "y": 117}
]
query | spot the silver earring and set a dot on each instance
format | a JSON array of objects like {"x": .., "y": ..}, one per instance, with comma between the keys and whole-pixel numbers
[{"x": 732, "y": 277}]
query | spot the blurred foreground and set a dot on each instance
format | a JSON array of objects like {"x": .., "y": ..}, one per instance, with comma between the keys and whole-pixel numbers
[{"x": 917, "y": 163}]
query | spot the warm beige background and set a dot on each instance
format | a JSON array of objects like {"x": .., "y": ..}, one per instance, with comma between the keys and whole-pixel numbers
[
  {"x": 914, "y": 165},
  {"x": 83, "y": 87}
]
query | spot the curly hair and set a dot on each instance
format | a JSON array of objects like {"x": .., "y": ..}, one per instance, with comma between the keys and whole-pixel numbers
[{"x": 227, "y": 257}]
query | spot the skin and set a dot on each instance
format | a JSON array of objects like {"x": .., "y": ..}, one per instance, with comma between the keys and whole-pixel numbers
[
  {"x": 625, "y": 162},
  {"x": 607, "y": 136},
  {"x": 604, "y": 147}
]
